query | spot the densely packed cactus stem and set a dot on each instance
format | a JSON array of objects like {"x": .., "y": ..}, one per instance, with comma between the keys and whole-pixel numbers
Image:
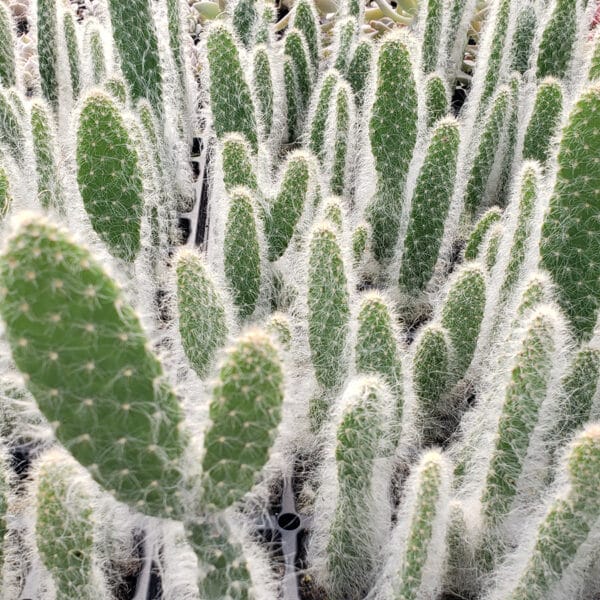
[
  {"x": 523, "y": 38},
  {"x": 474, "y": 242},
  {"x": 431, "y": 35},
  {"x": 237, "y": 163},
  {"x": 47, "y": 32},
  {"x": 262, "y": 78},
  {"x": 73, "y": 52},
  {"x": 8, "y": 74}
]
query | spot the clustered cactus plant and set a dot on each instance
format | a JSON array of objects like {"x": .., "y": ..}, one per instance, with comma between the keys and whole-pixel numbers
[{"x": 368, "y": 313}]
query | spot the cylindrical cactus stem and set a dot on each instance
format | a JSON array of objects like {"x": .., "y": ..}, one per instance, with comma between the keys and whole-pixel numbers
[
  {"x": 264, "y": 32},
  {"x": 295, "y": 48},
  {"x": 73, "y": 52},
  {"x": 117, "y": 88},
  {"x": 262, "y": 81},
  {"x": 64, "y": 527},
  {"x": 489, "y": 252},
  {"x": 567, "y": 523},
  {"x": 96, "y": 52},
  {"x": 244, "y": 20},
  {"x": 280, "y": 329},
  {"x": 5, "y": 193},
  {"x": 230, "y": 99},
  {"x": 360, "y": 464},
  {"x": 544, "y": 121},
  {"x": 419, "y": 539},
  {"x": 571, "y": 231},
  {"x": 478, "y": 234},
  {"x": 244, "y": 414},
  {"x": 462, "y": 313},
  {"x": 291, "y": 100},
  {"x": 286, "y": 209},
  {"x": 11, "y": 131},
  {"x": 344, "y": 34},
  {"x": 523, "y": 36},
  {"x": 8, "y": 73},
  {"x": 558, "y": 40},
  {"x": 594, "y": 72},
  {"x": 341, "y": 122},
  {"x": 432, "y": 33},
  {"x": 5, "y": 481},
  {"x": 378, "y": 350},
  {"x": 306, "y": 21},
  {"x": 487, "y": 152},
  {"x": 396, "y": 105},
  {"x": 359, "y": 69},
  {"x": 108, "y": 175},
  {"x": 237, "y": 163},
  {"x": 83, "y": 352},
  {"x": 437, "y": 98},
  {"x": 44, "y": 147},
  {"x": 47, "y": 37},
  {"x": 320, "y": 112},
  {"x": 203, "y": 325},
  {"x": 360, "y": 241},
  {"x": 461, "y": 550},
  {"x": 431, "y": 377},
  {"x": 430, "y": 205},
  {"x": 135, "y": 38},
  {"x": 455, "y": 27},
  {"x": 332, "y": 211},
  {"x": 328, "y": 307},
  {"x": 242, "y": 252},
  {"x": 525, "y": 391}
]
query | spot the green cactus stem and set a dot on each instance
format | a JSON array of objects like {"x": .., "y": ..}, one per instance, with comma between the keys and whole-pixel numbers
[
  {"x": 238, "y": 169},
  {"x": 296, "y": 49},
  {"x": 344, "y": 33},
  {"x": 96, "y": 52},
  {"x": 280, "y": 329},
  {"x": 436, "y": 98},
  {"x": 291, "y": 100},
  {"x": 73, "y": 52},
  {"x": 47, "y": 49},
  {"x": 360, "y": 69},
  {"x": 5, "y": 193},
  {"x": 489, "y": 253},
  {"x": 523, "y": 36},
  {"x": 244, "y": 20},
  {"x": 341, "y": 122},
  {"x": 306, "y": 21},
  {"x": 324, "y": 97},
  {"x": 431, "y": 36},
  {"x": 262, "y": 80},
  {"x": 117, "y": 88},
  {"x": 360, "y": 240},
  {"x": 481, "y": 228},
  {"x": 11, "y": 131}
]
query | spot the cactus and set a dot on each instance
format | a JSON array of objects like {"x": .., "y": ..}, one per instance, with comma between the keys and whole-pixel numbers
[
  {"x": 328, "y": 307},
  {"x": 8, "y": 76},
  {"x": 321, "y": 110},
  {"x": 5, "y": 193},
  {"x": 96, "y": 364},
  {"x": 306, "y": 21},
  {"x": 569, "y": 232},
  {"x": 108, "y": 176},
  {"x": 244, "y": 412},
  {"x": 264, "y": 33},
  {"x": 237, "y": 163},
  {"x": 526, "y": 390},
  {"x": 135, "y": 38},
  {"x": 11, "y": 132},
  {"x": 49, "y": 194},
  {"x": 487, "y": 150},
  {"x": 262, "y": 80},
  {"x": 566, "y": 524},
  {"x": 377, "y": 349},
  {"x": 96, "y": 52},
  {"x": 295, "y": 49},
  {"x": 345, "y": 33},
  {"x": 393, "y": 133},
  {"x": 47, "y": 31},
  {"x": 65, "y": 527},
  {"x": 594, "y": 72},
  {"x": 544, "y": 121},
  {"x": 333, "y": 212},
  {"x": 175, "y": 38},
  {"x": 242, "y": 253},
  {"x": 291, "y": 99},
  {"x": 431, "y": 378},
  {"x": 430, "y": 205},
  {"x": 230, "y": 98},
  {"x": 5, "y": 480},
  {"x": 436, "y": 99},
  {"x": 536, "y": 291},
  {"x": 481, "y": 228},
  {"x": 360, "y": 238},
  {"x": 431, "y": 36},
  {"x": 341, "y": 120},
  {"x": 244, "y": 19},
  {"x": 353, "y": 540},
  {"x": 287, "y": 207},
  {"x": 558, "y": 40},
  {"x": 489, "y": 253},
  {"x": 462, "y": 313},
  {"x": 506, "y": 176},
  {"x": 201, "y": 310},
  {"x": 359, "y": 70},
  {"x": 523, "y": 36},
  {"x": 73, "y": 52}
]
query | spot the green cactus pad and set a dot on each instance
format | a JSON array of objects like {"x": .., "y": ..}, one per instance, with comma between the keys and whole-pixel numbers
[
  {"x": 244, "y": 412},
  {"x": 344, "y": 33},
  {"x": 263, "y": 87},
  {"x": 117, "y": 88},
  {"x": 295, "y": 49},
  {"x": 201, "y": 310},
  {"x": 90, "y": 358},
  {"x": 558, "y": 39},
  {"x": 474, "y": 241},
  {"x": 108, "y": 175},
  {"x": 96, "y": 52}
]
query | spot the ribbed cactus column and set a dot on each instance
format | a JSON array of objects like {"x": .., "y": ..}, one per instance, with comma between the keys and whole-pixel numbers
[
  {"x": 481, "y": 228},
  {"x": 237, "y": 163},
  {"x": 73, "y": 52},
  {"x": 47, "y": 38},
  {"x": 292, "y": 100},
  {"x": 341, "y": 121},
  {"x": 242, "y": 253},
  {"x": 96, "y": 52},
  {"x": 202, "y": 318},
  {"x": 328, "y": 307},
  {"x": 360, "y": 69},
  {"x": 571, "y": 230},
  {"x": 244, "y": 414},
  {"x": 135, "y": 38},
  {"x": 353, "y": 535},
  {"x": 83, "y": 352},
  {"x": 262, "y": 80},
  {"x": 567, "y": 523},
  {"x": 489, "y": 252},
  {"x": 462, "y": 313},
  {"x": 8, "y": 75},
  {"x": 64, "y": 527},
  {"x": 526, "y": 390},
  {"x": 432, "y": 35},
  {"x": 306, "y": 21},
  {"x": 344, "y": 35},
  {"x": 287, "y": 207},
  {"x": 280, "y": 329},
  {"x": 360, "y": 240},
  {"x": 558, "y": 39},
  {"x": 11, "y": 131},
  {"x": 108, "y": 175},
  {"x": 5, "y": 193},
  {"x": 230, "y": 99},
  {"x": 436, "y": 98},
  {"x": 244, "y": 20},
  {"x": 523, "y": 38},
  {"x": 430, "y": 205},
  {"x": 321, "y": 111},
  {"x": 176, "y": 42},
  {"x": 544, "y": 121},
  {"x": 393, "y": 133}
]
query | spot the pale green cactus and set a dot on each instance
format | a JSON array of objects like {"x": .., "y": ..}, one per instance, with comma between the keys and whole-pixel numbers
[
  {"x": 279, "y": 328},
  {"x": 344, "y": 34},
  {"x": 523, "y": 38},
  {"x": 47, "y": 32},
  {"x": 341, "y": 121},
  {"x": 291, "y": 100},
  {"x": 360, "y": 240},
  {"x": 244, "y": 19},
  {"x": 117, "y": 88},
  {"x": 432, "y": 35},
  {"x": 481, "y": 228},
  {"x": 96, "y": 52},
  {"x": 73, "y": 52},
  {"x": 295, "y": 48},
  {"x": 8, "y": 74},
  {"x": 324, "y": 95},
  {"x": 436, "y": 98},
  {"x": 360, "y": 68},
  {"x": 237, "y": 164},
  {"x": 11, "y": 130},
  {"x": 489, "y": 252},
  {"x": 306, "y": 21},
  {"x": 262, "y": 80},
  {"x": 5, "y": 193}
]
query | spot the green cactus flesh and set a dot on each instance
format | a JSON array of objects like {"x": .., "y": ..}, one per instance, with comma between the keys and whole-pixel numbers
[
  {"x": 96, "y": 54},
  {"x": 359, "y": 70},
  {"x": 11, "y": 132},
  {"x": 432, "y": 35},
  {"x": 306, "y": 22},
  {"x": 291, "y": 99},
  {"x": 345, "y": 34},
  {"x": 478, "y": 234},
  {"x": 237, "y": 163},
  {"x": 436, "y": 99},
  {"x": 494, "y": 61},
  {"x": 5, "y": 194},
  {"x": 263, "y": 87},
  {"x": 8, "y": 77},
  {"x": 244, "y": 19},
  {"x": 558, "y": 39},
  {"x": 73, "y": 53},
  {"x": 342, "y": 120},
  {"x": 47, "y": 49},
  {"x": 523, "y": 39},
  {"x": 294, "y": 48},
  {"x": 360, "y": 238}
]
